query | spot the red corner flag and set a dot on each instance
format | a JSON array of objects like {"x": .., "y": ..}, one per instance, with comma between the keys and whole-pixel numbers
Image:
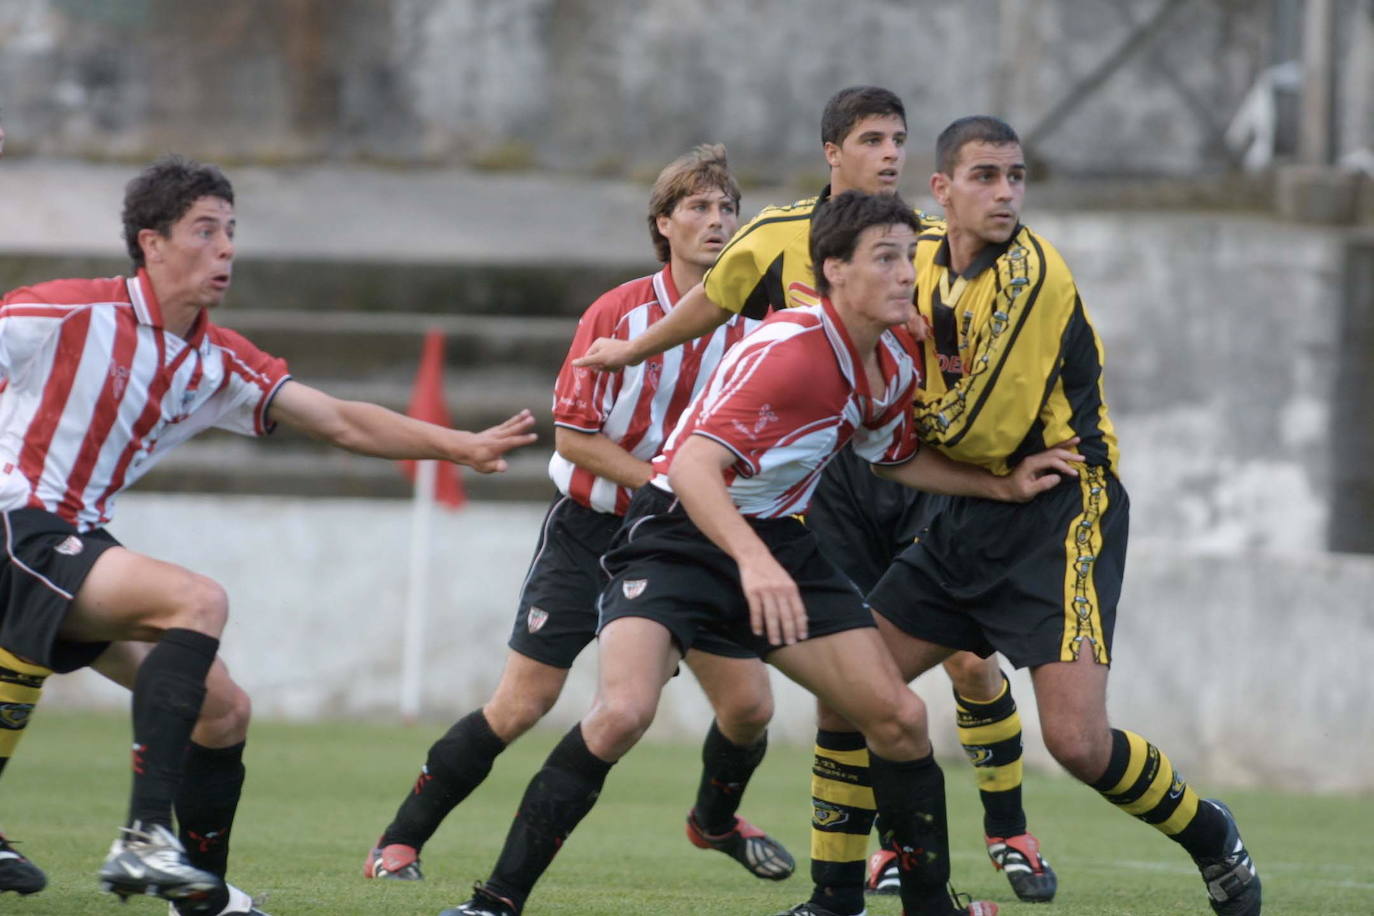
[{"x": 427, "y": 403}]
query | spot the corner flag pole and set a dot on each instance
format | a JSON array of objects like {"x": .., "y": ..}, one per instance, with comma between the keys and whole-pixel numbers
[{"x": 417, "y": 590}]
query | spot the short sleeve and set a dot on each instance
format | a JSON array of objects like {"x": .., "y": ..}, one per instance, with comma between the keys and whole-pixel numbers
[
  {"x": 580, "y": 395},
  {"x": 251, "y": 379}
]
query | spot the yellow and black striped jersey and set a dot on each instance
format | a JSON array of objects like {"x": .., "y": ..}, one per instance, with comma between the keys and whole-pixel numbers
[
  {"x": 1020, "y": 364},
  {"x": 767, "y": 265}
]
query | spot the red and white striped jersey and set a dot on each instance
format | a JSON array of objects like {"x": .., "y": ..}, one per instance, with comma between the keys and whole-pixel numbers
[
  {"x": 96, "y": 392},
  {"x": 635, "y": 407},
  {"x": 788, "y": 398}
]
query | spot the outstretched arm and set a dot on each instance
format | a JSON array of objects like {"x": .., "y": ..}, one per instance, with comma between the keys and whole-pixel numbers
[
  {"x": 775, "y": 605},
  {"x": 935, "y": 473},
  {"x": 369, "y": 429},
  {"x": 694, "y": 316}
]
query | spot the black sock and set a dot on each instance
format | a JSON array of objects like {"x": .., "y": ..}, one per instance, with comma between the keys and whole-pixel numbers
[
  {"x": 207, "y": 802},
  {"x": 557, "y": 799},
  {"x": 457, "y": 764},
  {"x": 911, "y": 797},
  {"x": 168, "y": 692},
  {"x": 725, "y": 771}
]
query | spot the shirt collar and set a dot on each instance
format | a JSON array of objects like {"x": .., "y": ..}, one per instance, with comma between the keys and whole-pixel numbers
[
  {"x": 149, "y": 311},
  {"x": 983, "y": 260}
]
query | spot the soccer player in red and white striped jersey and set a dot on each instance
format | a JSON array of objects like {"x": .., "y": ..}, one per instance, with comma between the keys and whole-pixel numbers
[
  {"x": 608, "y": 426},
  {"x": 710, "y": 545},
  {"x": 102, "y": 378}
]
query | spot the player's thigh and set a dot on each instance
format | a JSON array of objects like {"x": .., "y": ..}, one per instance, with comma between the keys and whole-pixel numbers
[
  {"x": 129, "y": 596},
  {"x": 737, "y": 688},
  {"x": 854, "y": 674},
  {"x": 912, "y": 655},
  {"x": 637, "y": 657}
]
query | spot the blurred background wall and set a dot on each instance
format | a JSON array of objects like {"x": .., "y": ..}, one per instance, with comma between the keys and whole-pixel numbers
[{"x": 1206, "y": 167}]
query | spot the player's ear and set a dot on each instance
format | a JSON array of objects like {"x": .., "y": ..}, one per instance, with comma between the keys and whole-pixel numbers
[
  {"x": 832, "y": 154},
  {"x": 150, "y": 241},
  {"x": 939, "y": 188},
  {"x": 833, "y": 268}
]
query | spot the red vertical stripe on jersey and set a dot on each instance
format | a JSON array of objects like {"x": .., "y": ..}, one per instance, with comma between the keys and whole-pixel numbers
[
  {"x": 38, "y": 438},
  {"x": 147, "y": 419},
  {"x": 106, "y": 412}
]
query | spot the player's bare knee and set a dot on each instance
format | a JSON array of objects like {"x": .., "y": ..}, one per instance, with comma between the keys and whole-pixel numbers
[
  {"x": 623, "y": 720},
  {"x": 1074, "y": 750},
  {"x": 744, "y": 719},
  {"x": 225, "y": 715},
  {"x": 973, "y": 677},
  {"x": 512, "y": 713},
  {"x": 201, "y": 604},
  {"x": 900, "y": 730}
]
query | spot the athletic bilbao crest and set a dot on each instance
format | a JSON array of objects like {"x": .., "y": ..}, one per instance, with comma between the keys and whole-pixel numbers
[
  {"x": 71, "y": 546},
  {"x": 535, "y": 620},
  {"x": 633, "y": 588}
]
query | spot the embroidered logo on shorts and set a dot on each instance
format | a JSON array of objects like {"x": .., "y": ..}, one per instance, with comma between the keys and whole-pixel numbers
[
  {"x": 536, "y": 619},
  {"x": 633, "y": 588},
  {"x": 71, "y": 546}
]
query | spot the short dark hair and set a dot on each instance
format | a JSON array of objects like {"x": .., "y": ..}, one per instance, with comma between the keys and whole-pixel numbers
[
  {"x": 849, "y": 106},
  {"x": 704, "y": 168},
  {"x": 837, "y": 223},
  {"x": 972, "y": 129},
  {"x": 163, "y": 192}
]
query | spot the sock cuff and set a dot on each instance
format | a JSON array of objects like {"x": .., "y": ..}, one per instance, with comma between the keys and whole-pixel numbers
[
  {"x": 839, "y": 741},
  {"x": 715, "y": 738},
  {"x": 1117, "y": 764},
  {"x": 480, "y": 732},
  {"x": 230, "y": 753},
  {"x": 901, "y": 767},
  {"x": 573, "y": 754},
  {"x": 1003, "y": 698},
  {"x": 193, "y": 640}
]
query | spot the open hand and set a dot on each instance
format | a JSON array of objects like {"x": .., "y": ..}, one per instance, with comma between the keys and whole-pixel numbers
[{"x": 484, "y": 453}]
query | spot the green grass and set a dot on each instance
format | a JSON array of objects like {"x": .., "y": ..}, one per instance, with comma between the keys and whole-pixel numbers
[{"x": 319, "y": 794}]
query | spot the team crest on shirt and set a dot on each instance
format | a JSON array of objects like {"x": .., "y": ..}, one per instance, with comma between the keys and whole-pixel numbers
[
  {"x": 119, "y": 379},
  {"x": 766, "y": 417},
  {"x": 633, "y": 588},
  {"x": 535, "y": 620},
  {"x": 70, "y": 547}
]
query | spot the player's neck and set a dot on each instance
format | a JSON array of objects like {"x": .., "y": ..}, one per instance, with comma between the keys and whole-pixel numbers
[
  {"x": 963, "y": 247},
  {"x": 863, "y": 332},
  {"x": 685, "y": 274}
]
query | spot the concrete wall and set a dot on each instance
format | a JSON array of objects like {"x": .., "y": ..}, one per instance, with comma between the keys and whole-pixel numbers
[
  {"x": 617, "y": 86},
  {"x": 1247, "y": 666}
]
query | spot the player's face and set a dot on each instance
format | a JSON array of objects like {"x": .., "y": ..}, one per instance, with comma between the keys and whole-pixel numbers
[
  {"x": 879, "y": 281},
  {"x": 194, "y": 263},
  {"x": 700, "y": 225},
  {"x": 984, "y": 195},
  {"x": 870, "y": 157}
]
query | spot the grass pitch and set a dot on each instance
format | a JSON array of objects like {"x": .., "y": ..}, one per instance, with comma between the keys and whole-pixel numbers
[{"x": 318, "y": 795}]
